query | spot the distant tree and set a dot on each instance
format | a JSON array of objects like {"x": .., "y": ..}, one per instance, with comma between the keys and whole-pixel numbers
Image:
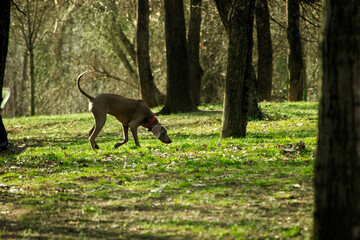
[
  {"x": 149, "y": 92},
  {"x": 295, "y": 61},
  {"x": 31, "y": 24},
  {"x": 337, "y": 175},
  {"x": 238, "y": 19},
  {"x": 264, "y": 45},
  {"x": 122, "y": 45},
  {"x": 195, "y": 70},
  {"x": 178, "y": 98}
]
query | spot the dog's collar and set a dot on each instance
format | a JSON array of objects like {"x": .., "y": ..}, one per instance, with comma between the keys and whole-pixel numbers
[{"x": 152, "y": 123}]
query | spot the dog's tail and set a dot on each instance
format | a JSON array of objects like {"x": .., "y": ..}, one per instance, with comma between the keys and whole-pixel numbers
[{"x": 82, "y": 91}]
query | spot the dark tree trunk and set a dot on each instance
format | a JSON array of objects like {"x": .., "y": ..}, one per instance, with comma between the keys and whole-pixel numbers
[
  {"x": 178, "y": 98},
  {"x": 265, "y": 62},
  {"x": 238, "y": 19},
  {"x": 195, "y": 70},
  {"x": 337, "y": 166},
  {"x": 295, "y": 61},
  {"x": 4, "y": 39},
  {"x": 149, "y": 92}
]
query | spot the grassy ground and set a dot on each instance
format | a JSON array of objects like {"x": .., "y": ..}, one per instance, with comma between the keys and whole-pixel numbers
[{"x": 198, "y": 187}]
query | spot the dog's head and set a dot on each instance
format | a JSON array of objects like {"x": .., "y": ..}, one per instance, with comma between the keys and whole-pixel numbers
[{"x": 160, "y": 133}]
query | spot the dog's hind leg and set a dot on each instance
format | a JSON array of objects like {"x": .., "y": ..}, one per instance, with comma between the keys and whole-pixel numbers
[
  {"x": 92, "y": 130},
  {"x": 100, "y": 119}
]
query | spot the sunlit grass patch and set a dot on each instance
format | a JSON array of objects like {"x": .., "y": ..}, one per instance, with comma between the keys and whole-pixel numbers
[{"x": 198, "y": 187}]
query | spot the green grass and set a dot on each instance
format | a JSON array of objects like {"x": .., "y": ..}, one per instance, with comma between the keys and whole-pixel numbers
[{"x": 198, "y": 187}]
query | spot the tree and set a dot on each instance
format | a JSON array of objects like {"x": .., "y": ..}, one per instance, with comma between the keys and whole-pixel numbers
[
  {"x": 337, "y": 175},
  {"x": 265, "y": 61},
  {"x": 195, "y": 70},
  {"x": 121, "y": 44},
  {"x": 30, "y": 28},
  {"x": 149, "y": 92},
  {"x": 4, "y": 34},
  {"x": 295, "y": 61},
  {"x": 238, "y": 18},
  {"x": 4, "y": 40},
  {"x": 178, "y": 98}
]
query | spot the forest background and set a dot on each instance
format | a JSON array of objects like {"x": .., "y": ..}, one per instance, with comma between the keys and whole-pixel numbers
[{"x": 78, "y": 35}]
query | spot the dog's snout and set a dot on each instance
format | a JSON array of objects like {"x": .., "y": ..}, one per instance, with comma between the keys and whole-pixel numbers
[{"x": 165, "y": 138}]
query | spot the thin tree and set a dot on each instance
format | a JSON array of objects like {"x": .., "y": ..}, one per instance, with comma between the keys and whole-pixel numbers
[
  {"x": 30, "y": 28},
  {"x": 195, "y": 70},
  {"x": 149, "y": 92},
  {"x": 238, "y": 19},
  {"x": 122, "y": 46},
  {"x": 264, "y": 44},
  {"x": 178, "y": 98},
  {"x": 295, "y": 61},
  {"x": 337, "y": 173}
]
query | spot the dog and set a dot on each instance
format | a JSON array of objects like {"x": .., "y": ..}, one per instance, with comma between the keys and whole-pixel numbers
[{"x": 132, "y": 113}]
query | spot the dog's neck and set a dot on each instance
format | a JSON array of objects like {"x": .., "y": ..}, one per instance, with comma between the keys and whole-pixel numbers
[{"x": 152, "y": 123}]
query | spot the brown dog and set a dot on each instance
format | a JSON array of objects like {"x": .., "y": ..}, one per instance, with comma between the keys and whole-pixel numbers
[{"x": 130, "y": 112}]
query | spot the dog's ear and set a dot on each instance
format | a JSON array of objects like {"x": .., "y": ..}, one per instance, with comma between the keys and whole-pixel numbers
[{"x": 157, "y": 130}]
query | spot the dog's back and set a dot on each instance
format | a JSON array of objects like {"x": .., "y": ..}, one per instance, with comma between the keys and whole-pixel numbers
[{"x": 121, "y": 107}]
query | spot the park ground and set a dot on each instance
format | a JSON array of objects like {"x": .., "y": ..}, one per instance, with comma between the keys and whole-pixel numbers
[{"x": 198, "y": 187}]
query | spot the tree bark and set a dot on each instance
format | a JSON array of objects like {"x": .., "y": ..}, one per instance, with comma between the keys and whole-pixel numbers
[
  {"x": 195, "y": 70},
  {"x": 237, "y": 17},
  {"x": 178, "y": 98},
  {"x": 4, "y": 35},
  {"x": 149, "y": 92},
  {"x": 265, "y": 61},
  {"x": 295, "y": 61},
  {"x": 4, "y": 40},
  {"x": 337, "y": 166}
]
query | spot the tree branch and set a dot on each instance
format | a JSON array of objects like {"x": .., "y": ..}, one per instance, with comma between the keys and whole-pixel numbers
[
  {"x": 109, "y": 75},
  {"x": 17, "y": 7}
]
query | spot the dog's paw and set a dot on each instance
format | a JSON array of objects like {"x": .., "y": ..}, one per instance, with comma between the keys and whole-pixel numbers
[{"x": 118, "y": 145}]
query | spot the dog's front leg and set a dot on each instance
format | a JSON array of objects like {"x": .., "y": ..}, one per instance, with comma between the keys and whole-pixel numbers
[
  {"x": 134, "y": 133},
  {"x": 126, "y": 136}
]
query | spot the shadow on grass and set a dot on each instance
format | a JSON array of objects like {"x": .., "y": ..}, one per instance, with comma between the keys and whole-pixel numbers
[{"x": 146, "y": 218}]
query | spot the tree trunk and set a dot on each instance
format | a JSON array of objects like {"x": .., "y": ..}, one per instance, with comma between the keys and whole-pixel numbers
[
  {"x": 265, "y": 62},
  {"x": 149, "y": 92},
  {"x": 4, "y": 39},
  {"x": 238, "y": 18},
  {"x": 32, "y": 81},
  {"x": 337, "y": 166},
  {"x": 295, "y": 61},
  {"x": 20, "y": 109},
  {"x": 195, "y": 70},
  {"x": 178, "y": 98}
]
